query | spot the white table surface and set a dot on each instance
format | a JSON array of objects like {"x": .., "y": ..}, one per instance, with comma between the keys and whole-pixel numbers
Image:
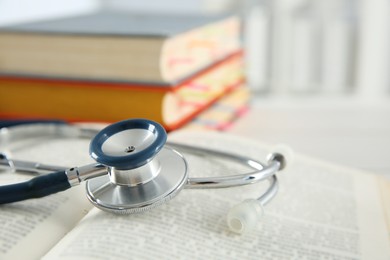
[{"x": 347, "y": 131}]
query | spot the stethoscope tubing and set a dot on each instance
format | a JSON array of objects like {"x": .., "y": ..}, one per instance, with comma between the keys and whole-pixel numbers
[
  {"x": 58, "y": 181},
  {"x": 261, "y": 172}
]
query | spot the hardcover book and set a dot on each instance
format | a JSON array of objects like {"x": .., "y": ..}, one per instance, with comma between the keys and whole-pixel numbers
[
  {"x": 119, "y": 46},
  {"x": 72, "y": 100}
]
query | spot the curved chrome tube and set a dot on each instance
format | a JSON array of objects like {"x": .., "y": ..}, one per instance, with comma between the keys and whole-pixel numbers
[
  {"x": 234, "y": 180},
  {"x": 271, "y": 191},
  {"x": 261, "y": 173},
  {"x": 9, "y": 135},
  {"x": 27, "y": 166}
]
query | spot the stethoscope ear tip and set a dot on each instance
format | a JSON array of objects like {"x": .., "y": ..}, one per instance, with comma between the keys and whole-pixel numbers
[
  {"x": 283, "y": 154},
  {"x": 244, "y": 216}
]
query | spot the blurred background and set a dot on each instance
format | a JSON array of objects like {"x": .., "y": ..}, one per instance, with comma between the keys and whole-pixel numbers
[
  {"x": 319, "y": 69},
  {"x": 294, "y": 47}
]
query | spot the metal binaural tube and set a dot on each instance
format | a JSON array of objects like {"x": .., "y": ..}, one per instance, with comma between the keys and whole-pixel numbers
[
  {"x": 271, "y": 191},
  {"x": 234, "y": 180}
]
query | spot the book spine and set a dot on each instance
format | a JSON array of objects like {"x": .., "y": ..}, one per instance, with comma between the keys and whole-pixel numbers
[{"x": 75, "y": 101}]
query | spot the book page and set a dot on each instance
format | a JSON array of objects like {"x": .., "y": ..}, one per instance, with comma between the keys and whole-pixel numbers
[
  {"x": 321, "y": 212},
  {"x": 385, "y": 192},
  {"x": 30, "y": 228}
]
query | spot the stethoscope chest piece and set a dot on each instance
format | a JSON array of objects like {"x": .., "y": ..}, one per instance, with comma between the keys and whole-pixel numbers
[
  {"x": 142, "y": 173},
  {"x": 135, "y": 171}
]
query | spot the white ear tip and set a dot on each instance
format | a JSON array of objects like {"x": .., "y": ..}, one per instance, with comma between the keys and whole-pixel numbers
[
  {"x": 244, "y": 216},
  {"x": 286, "y": 152}
]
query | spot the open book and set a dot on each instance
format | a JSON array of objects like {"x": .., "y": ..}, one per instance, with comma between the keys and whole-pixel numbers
[{"x": 322, "y": 211}]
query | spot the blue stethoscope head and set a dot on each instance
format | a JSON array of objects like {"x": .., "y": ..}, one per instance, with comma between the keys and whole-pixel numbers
[
  {"x": 128, "y": 144},
  {"x": 142, "y": 173}
]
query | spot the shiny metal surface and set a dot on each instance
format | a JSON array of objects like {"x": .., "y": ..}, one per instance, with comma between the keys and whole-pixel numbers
[
  {"x": 129, "y": 199},
  {"x": 261, "y": 172},
  {"x": 73, "y": 176},
  {"x": 17, "y": 133},
  {"x": 136, "y": 190},
  {"x": 277, "y": 157},
  {"x": 135, "y": 176},
  {"x": 128, "y": 141},
  {"x": 271, "y": 192},
  {"x": 27, "y": 166},
  {"x": 234, "y": 180},
  {"x": 8, "y": 135},
  {"x": 78, "y": 174}
]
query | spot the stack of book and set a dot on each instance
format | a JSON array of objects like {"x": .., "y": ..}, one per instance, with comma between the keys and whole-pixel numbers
[
  {"x": 107, "y": 67},
  {"x": 221, "y": 115}
]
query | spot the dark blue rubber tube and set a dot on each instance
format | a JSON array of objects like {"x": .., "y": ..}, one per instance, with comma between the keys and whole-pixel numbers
[{"x": 37, "y": 187}]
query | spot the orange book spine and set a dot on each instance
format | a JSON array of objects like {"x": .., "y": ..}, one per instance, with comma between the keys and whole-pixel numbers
[{"x": 80, "y": 101}]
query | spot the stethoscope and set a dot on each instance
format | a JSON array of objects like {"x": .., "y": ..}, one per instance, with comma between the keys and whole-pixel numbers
[{"x": 135, "y": 171}]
